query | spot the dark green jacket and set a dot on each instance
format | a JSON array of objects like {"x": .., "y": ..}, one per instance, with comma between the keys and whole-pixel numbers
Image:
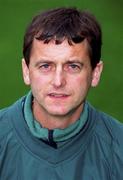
[{"x": 95, "y": 153}]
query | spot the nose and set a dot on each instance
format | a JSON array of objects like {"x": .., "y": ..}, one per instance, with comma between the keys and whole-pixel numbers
[{"x": 59, "y": 79}]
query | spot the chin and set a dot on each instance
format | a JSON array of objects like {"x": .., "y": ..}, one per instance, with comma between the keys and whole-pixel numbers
[{"x": 58, "y": 112}]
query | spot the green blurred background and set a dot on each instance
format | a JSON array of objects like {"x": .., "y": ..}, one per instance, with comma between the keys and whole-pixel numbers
[{"x": 14, "y": 17}]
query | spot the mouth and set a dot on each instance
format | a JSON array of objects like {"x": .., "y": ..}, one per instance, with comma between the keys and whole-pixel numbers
[{"x": 58, "y": 95}]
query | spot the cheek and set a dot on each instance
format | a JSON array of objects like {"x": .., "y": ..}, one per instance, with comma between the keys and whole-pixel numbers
[
  {"x": 37, "y": 83},
  {"x": 82, "y": 83},
  {"x": 37, "y": 79},
  {"x": 79, "y": 81}
]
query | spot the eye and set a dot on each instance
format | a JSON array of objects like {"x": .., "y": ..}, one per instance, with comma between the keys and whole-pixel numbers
[
  {"x": 74, "y": 67},
  {"x": 45, "y": 67}
]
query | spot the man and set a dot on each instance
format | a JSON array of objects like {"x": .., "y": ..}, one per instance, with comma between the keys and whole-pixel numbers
[{"x": 53, "y": 133}]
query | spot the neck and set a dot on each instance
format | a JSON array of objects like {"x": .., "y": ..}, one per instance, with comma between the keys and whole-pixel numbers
[{"x": 55, "y": 121}]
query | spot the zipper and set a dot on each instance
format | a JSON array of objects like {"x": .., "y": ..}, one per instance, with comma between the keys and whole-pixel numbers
[{"x": 51, "y": 141}]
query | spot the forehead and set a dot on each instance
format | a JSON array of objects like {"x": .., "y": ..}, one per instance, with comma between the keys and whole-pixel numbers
[{"x": 64, "y": 50}]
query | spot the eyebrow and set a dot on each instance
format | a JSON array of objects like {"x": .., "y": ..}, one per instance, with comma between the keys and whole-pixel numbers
[
  {"x": 43, "y": 61},
  {"x": 50, "y": 62},
  {"x": 74, "y": 61}
]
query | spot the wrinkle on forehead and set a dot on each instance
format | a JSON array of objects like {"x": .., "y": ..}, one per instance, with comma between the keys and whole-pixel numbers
[{"x": 60, "y": 48}]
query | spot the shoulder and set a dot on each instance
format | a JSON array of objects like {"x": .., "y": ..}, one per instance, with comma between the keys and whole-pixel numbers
[
  {"x": 6, "y": 116},
  {"x": 109, "y": 132},
  {"x": 110, "y": 127},
  {"x": 8, "y": 138},
  {"x": 5, "y": 125},
  {"x": 114, "y": 131},
  {"x": 106, "y": 125}
]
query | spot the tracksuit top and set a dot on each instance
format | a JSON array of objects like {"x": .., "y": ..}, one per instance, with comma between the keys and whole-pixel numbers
[{"x": 94, "y": 153}]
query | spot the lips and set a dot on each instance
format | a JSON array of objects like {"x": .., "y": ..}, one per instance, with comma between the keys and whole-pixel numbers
[{"x": 58, "y": 95}]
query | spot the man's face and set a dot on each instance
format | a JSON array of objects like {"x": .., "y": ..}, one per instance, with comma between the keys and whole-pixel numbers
[{"x": 60, "y": 76}]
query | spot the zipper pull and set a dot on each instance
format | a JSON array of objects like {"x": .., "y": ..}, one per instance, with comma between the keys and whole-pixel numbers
[{"x": 50, "y": 139}]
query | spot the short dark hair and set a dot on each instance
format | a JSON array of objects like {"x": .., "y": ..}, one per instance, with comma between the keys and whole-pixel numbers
[{"x": 65, "y": 23}]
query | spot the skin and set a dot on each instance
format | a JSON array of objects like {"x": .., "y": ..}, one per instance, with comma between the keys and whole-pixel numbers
[{"x": 60, "y": 77}]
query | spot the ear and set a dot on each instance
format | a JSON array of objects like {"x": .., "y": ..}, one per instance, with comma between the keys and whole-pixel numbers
[
  {"x": 25, "y": 71},
  {"x": 97, "y": 74}
]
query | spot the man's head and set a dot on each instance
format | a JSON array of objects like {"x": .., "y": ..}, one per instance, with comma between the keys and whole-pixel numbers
[
  {"x": 61, "y": 62},
  {"x": 65, "y": 23}
]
